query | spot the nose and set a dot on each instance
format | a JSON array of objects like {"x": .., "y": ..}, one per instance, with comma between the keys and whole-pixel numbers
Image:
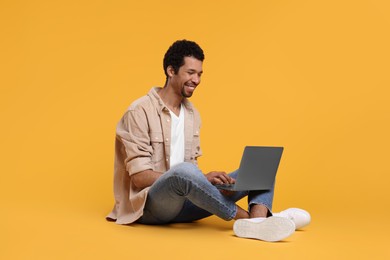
[{"x": 196, "y": 79}]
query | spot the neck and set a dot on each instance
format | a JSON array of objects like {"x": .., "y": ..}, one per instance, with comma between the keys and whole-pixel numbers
[{"x": 171, "y": 99}]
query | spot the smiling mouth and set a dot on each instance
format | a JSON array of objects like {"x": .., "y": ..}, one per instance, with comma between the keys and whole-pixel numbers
[
  {"x": 188, "y": 90},
  {"x": 192, "y": 87}
]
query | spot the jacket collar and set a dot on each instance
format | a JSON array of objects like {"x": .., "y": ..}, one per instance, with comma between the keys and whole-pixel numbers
[{"x": 160, "y": 103}]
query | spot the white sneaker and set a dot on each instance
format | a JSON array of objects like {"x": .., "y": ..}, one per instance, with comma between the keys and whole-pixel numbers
[
  {"x": 270, "y": 229},
  {"x": 300, "y": 217}
]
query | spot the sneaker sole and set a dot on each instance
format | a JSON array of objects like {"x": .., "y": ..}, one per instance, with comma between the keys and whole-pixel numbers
[{"x": 271, "y": 229}]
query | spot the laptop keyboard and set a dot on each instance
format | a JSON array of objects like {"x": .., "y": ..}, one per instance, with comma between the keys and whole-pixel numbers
[{"x": 225, "y": 186}]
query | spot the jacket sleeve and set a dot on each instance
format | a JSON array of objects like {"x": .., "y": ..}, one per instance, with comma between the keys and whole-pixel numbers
[{"x": 133, "y": 132}]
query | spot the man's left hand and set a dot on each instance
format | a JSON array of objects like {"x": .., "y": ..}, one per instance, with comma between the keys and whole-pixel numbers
[{"x": 217, "y": 177}]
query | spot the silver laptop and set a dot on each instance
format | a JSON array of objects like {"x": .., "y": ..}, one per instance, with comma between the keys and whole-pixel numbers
[{"x": 258, "y": 168}]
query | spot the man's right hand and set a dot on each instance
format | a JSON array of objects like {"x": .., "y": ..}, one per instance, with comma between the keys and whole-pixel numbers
[{"x": 145, "y": 178}]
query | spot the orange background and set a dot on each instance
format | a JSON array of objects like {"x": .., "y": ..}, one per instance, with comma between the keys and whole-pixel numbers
[{"x": 312, "y": 76}]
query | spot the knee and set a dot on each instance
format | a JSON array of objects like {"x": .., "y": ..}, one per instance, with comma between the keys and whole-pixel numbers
[
  {"x": 185, "y": 166},
  {"x": 183, "y": 177},
  {"x": 186, "y": 169}
]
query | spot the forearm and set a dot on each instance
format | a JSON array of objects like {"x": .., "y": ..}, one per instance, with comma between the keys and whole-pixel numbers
[{"x": 145, "y": 178}]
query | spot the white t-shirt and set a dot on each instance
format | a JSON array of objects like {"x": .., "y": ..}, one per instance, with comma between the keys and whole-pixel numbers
[{"x": 177, "y": 137}]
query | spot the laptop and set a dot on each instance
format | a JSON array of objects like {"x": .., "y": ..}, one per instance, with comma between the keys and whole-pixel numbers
[{"x": 258, "y": 168}]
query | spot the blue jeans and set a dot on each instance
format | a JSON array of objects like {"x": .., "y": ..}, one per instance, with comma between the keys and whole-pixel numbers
[{"x": 183, "y": 194}]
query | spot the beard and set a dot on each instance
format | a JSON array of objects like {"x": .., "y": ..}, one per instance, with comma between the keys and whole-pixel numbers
[{"x": 184, "y": 94}]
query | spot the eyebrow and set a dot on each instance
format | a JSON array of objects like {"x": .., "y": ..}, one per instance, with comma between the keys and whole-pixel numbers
[{"x": 192, "y": 70}]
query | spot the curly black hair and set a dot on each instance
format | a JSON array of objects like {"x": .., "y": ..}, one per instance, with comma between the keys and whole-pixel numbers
[{"x": 179, "y": 49}]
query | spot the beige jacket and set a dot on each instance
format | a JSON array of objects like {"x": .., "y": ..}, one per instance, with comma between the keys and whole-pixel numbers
[{"x": 143, "y": 142}]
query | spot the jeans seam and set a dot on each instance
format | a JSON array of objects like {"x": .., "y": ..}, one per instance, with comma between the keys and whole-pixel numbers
[{"x": 208, "y": 194}]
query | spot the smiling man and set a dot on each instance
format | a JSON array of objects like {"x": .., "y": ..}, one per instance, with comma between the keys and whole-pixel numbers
[{"x": 156, "y": 177}]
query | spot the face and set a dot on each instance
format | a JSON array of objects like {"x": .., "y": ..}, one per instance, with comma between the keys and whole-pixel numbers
[{"x": 187, "y": 78}]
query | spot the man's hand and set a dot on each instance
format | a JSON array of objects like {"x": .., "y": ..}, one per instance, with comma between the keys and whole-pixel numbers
[
  {"x": 219, "y": 178},
  {"x": 145, "y": 178}
]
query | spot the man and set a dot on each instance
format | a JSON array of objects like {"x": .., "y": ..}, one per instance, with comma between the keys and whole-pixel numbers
[{"x": 156, "y": 179}]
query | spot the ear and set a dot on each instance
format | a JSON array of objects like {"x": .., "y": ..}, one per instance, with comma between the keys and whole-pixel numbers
[{"x": 170, "y": 71}]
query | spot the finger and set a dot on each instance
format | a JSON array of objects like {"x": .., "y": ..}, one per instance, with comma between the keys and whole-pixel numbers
[
  {"x": 224, "y": 178},
  {"x": 216, "y": 180},
  {"x": 232, "y": 180},
  {"x": 227, "y": 178}
]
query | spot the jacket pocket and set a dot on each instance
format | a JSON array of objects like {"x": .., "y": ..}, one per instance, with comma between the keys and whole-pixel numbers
[
  {"x": 196, "y": 152},
  {"x": 157, "y": 143}
]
